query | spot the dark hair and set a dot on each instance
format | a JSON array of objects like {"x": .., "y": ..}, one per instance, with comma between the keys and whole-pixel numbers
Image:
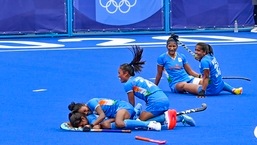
[
  {"x": 206, "y": 48},
  {"x": 136, "y": 64},
  {"x": 171, "y": 39},
  {"x": 75, "y": 118},
  {"x": 74, "y": 107}
]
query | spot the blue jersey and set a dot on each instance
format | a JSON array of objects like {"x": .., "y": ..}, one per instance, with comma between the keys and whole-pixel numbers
[
  {"x": 216, "y": 83},
  {"x": 141, "y": 87},
  {"x": 91, "y": 118},
  {"x": 110, "y": 107},
  {"x": 155, "y": 98},
  {"x": 174, "y": 68}
]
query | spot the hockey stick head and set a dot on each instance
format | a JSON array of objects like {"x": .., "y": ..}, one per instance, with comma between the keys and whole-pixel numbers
[
  {"x": 204, "y": 106},
  {"x": 86, "y": 129}
]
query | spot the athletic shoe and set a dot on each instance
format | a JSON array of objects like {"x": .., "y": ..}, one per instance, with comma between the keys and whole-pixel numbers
[
  {"x": 138, "y": 110},
  {"x": 153, "y": 125},
  {"x": 254, "y": 30},
  {"x": 238, "y": 91},
  {"x": 185, "y": 119},
  {"x": 170, "y": 118}
]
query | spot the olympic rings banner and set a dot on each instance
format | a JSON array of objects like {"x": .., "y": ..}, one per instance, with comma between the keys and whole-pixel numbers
[
  {"x": 71, "y": 17},
  {"x": 118, "y": 15},
  {"x": 32, "y": 16}
]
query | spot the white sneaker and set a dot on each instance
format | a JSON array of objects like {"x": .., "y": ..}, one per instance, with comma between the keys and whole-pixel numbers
[
  {"x": 155, "y": 125},
  {"x": 254, "y": 30}
]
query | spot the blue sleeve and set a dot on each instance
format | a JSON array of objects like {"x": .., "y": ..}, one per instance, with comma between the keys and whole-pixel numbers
[
  {"x": 91, "y": 118},
  {"x": 128, "y": 86},
  {"x": 92, "y": 104},
  {"x": 160, "y": 60},
  {"x": 204, "y": 65}
]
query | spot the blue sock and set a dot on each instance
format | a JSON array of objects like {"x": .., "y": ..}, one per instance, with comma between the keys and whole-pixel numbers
[
  {"x": 164, "y": 127},
  {"x": 113, "y": 126},
  {"x": 227, "y": 88},
  {"x": 132, "y": 124},
  {"x": 160, "y": 118}
]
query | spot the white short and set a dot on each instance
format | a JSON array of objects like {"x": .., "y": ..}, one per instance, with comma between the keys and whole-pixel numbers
[{"x": 196, "y": 81}]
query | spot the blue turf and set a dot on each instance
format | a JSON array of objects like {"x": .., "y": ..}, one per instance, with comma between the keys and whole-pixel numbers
[{"x": 78, "y": 74}]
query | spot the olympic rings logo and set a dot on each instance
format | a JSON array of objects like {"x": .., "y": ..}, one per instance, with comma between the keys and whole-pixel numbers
[{"x": 112, "y": 6}]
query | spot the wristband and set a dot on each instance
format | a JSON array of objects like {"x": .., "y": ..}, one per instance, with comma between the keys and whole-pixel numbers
[
  {"x": 91, "y": 125},
  {"x": 201, "y": 94}
]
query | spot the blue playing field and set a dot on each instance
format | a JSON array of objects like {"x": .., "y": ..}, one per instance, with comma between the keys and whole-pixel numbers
[{"x": 41, "y": 76}]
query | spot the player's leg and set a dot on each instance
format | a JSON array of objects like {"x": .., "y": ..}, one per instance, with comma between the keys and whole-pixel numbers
[
  {"x": 229, "y": 88},
  {"x": 124, "y": 111},
  {"x": 170, "y": 118},
  {"x": 108, "y": 124},
  {"x": 122, "y": 121},
  {"x": 160, "y": 118},
  {"x": 179, "y": 87},
  {"x": 157, "y": 104},
  {"x": 138, "y": 110},
  {"x": 146, "y": 115},
  {"x": 191, "y": 88},
  {"x": 186, "y": 120}
]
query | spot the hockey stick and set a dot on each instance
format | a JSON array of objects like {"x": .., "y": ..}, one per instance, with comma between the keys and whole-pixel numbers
[
  {"x": 175, "y": 37},
  {"x": 204, "y": 107},
  {"x": 106, "y": 130},
  {"x": 227, "y": 77},
  {"x": 237, "y": 78},
  {"x": 170, "y": 115},
  {"x": 67, "y": 127},
  {"x": 150, "y": 140}
]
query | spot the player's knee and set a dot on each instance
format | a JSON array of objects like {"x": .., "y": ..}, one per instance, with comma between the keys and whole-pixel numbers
[
  {"x": 180, "y": 86},
  {"x": 120, "y": 124},
  {"x": 105, "y": 125}
]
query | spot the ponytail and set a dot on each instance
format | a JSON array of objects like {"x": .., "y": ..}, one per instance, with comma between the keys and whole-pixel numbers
[{"x": 136, "y": 64}]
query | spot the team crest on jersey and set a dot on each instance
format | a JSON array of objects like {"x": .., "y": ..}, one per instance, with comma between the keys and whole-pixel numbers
[
  {"x": 106, "y": 102},
  {"x": 140, "y": 90},
  {"x": 179, "y": 59}
]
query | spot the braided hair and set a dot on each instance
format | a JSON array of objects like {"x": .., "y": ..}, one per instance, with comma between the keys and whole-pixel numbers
[
  {"x": 136, "y": 64},
  {"x": 74, "y": 107},
  {"x": 206, "y": 48}
]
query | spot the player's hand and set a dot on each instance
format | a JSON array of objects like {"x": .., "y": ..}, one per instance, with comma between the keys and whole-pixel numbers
[
  {"x": 86, "y": 129},
  {"x": 201, "y": 94}
]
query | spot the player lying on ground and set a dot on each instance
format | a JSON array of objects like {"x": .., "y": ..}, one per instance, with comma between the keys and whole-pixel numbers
[
  {"x": 121, "y": 114},
  {"x": 85, "y": 116}
]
